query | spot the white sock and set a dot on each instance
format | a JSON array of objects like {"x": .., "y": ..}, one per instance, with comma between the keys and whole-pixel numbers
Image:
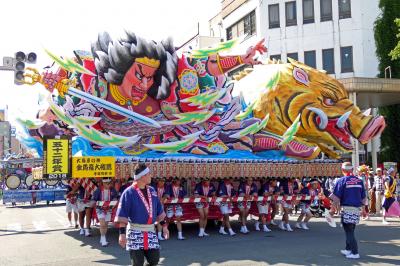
[
  {"x": 201, "y": 231},
  {"x": 180, "y": 234},
  {"x": 231, "y": 231},
  {"x": 222, "y": 228},
  {"x": 103, "y": 238},
  {"x": 159, "y": 235}
]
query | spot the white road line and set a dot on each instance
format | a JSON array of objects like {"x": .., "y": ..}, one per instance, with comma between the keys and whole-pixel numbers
[
  {"x": 59, "y": 215},
  {"x": 63, "y": 222},
  {"x": 14, "y": 227},
  {"x": 40, "y": 225}
]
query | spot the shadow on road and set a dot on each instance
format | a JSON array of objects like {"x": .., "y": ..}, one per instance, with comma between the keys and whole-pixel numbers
[{"x": 319, "y": 246}]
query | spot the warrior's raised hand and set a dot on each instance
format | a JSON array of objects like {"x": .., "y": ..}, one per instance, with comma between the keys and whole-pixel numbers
[{"x": 252, "y": 51}]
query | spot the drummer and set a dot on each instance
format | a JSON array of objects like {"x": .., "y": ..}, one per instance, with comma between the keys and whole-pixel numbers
[
  {"x": 246, "y": 189},
  {"x": 203, "y": 190},
  {"x": 104, "y": 193},
  {"x": 175, "y": 191}
]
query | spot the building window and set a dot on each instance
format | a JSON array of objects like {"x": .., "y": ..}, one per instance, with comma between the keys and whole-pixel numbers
[
  {"x": 328, "y": 61},
  {"x": 326, "y": 10},
  {"x": 290, "y": 9},
  {"x": 294, "y": 56},
  {"x": 310, "y": 59},
  {"x": 275, "y": 56},
  {"x": 308, "y": 11},
  {"x": 273, "y": 14},
  {"x": 344, "y": 9},
  {"x": 346, "y": 59},
  {"x": 245, "y": 26}
]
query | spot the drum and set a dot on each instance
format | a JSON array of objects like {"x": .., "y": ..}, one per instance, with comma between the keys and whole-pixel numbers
[
  {"x": 51, "y": 182},
  {"x": 29, "y": 180},
  {"x": 13, "y": 181},
  {"x": 65, "y": 182}
]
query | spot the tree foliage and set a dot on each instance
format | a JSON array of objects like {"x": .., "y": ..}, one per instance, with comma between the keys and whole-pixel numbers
[
  {"x": 386, "y": 41},
  {"x": 395, "y": 53}
]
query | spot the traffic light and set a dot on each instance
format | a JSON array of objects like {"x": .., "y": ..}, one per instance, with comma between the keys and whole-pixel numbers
[{"x": 19, "y": 65}]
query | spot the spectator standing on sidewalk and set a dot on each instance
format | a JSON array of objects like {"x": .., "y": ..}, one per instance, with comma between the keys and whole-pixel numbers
[{"x": 379, "y": 190}]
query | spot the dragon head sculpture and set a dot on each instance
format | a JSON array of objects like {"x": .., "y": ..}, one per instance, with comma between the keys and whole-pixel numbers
[{"x": 327, "y": 115}]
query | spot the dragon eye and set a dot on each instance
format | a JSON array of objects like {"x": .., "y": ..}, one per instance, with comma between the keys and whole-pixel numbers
[{"x": 328, "y": 101}]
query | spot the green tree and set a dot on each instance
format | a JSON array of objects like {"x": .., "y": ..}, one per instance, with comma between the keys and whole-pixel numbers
[
  {"x": 395, "y": 53},
  {"x": 385, "y": 39}
]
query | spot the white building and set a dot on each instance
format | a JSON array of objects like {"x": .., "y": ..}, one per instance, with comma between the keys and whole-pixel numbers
[{"x": 334, "y": 35}]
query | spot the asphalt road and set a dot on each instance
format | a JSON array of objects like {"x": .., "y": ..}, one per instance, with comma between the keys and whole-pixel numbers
[{"x": 39, "y": 236}]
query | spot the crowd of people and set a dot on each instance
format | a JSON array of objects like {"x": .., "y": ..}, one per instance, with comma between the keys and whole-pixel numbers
[{"x": 379, "y": 189}]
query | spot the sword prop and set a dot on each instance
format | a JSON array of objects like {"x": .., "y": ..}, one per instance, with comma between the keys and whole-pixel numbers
[{"x": 64, "y": 87}]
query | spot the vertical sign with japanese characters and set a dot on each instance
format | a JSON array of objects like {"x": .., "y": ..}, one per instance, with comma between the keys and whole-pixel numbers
[{"x": 57, "y": 158}]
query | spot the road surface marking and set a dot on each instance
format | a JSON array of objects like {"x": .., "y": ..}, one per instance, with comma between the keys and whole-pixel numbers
[
  {"x": 14, "y": 227},
  {"x": 40, "y": 225}
]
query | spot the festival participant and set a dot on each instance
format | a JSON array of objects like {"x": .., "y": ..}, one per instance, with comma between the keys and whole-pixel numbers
[
  {"x": 85, "y": 209},
  {"x": 266, "y": 190},
  {"x": 104, "y": 193},
  {"x": 349, "y": 194},
  {"x": 203, "y": 190},
  {"x": 309, "y": 190},
  {"x": 390, "y": 206},
  {"x": 226, "y": 191},
  {"x": 71, "y": 205},
  {"x": 125, "y": 186},
  {"x": 141, "y": 208},
  {"x": 287, "y": 187},
  {"x": 161, "y": 187},
  {"x": 175, "y": 191},
  {"x": 246, "y": 189},
  {"x": 273, "y": 189},
  {"x": 379, "y": 190},
  {"x": 363, "y": 172}
]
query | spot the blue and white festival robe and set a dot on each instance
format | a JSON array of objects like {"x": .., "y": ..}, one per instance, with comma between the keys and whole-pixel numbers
[{"x": 133, "y": 208}]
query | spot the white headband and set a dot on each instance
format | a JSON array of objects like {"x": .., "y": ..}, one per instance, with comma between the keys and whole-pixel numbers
[
  {"x": 143, "y": 173},
  {"x": 347, "y": 167}
]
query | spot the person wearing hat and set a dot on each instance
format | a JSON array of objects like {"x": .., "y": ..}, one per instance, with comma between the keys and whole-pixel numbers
[
  {"x": 203, "y": 190},
  {"x": 175, "y": 190},
  {"x": 141, "y": 208},
  {"x": 308, "y": 190},
  {"x": 226, "y": 191},
  {"x": 103, "y": 195},
  {"x": 247, "y": 189},
  {"x": 350, "y": 195},
  {"x": 125, "y": 186}
]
